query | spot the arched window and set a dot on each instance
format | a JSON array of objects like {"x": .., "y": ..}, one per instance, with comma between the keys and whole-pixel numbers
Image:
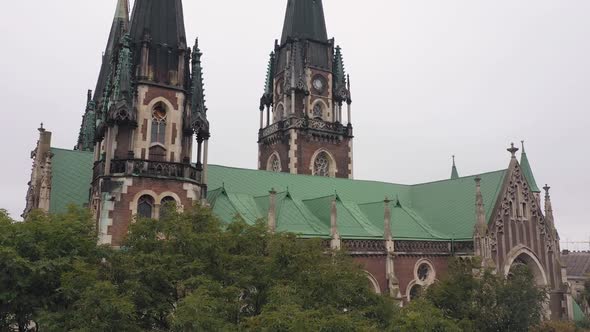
[
  {"x": 321, "y": 165},
  {"x": 274, "y": 164},
  {"x": 318, "y": 111},
  {"x": 145, "y": 206},
  {"x": 415, "y": 292},
  {"x": 159, "y": 124},
  {"x": 280, "y": 112},
  {"x": 167, "y": 205}
]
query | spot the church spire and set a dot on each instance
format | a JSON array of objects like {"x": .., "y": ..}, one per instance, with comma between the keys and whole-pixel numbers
[
  {"x": 119, "y": 27},
  {"x": 161, "y": 20},
  {"x": 454, "y": 172},
  {"x": 159, "y": 44},
  {"x": 528, "y": 171},
  {"x": 305, "y": 20}
]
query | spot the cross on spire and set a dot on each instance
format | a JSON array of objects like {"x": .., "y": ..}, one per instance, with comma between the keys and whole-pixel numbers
[{"x": 513, "y": 150}]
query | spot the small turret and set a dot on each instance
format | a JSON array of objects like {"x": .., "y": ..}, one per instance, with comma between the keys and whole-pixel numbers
[{"x": 454, "y": 172}]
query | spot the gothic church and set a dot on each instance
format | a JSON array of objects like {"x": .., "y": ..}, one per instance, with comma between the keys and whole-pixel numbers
[{"x": 147, "y": 115}]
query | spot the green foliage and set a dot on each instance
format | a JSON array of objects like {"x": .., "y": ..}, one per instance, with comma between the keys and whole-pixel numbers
[
  {"x": 422, "y": 315},
  {"x": 189, "y": 272},
  {"x": 489, "y": 302},
  {"x": 185, "y": 272},
  {"x": 559, "y": 326}
]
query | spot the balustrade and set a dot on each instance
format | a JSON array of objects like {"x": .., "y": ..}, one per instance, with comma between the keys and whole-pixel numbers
[{"x": 138, "y": 167}]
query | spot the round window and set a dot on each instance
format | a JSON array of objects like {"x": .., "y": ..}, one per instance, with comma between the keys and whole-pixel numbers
[{"x": 423, "y": 272}]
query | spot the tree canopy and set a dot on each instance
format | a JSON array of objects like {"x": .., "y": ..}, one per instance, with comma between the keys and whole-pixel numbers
[{"x": 189, "y": 272}]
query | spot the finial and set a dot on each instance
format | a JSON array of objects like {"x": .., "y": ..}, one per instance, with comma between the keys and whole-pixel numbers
[
  {"x": 522, "y": 143},
  {"x": 478, "y": 180},
  {"x": 513, "y": 150},
  {"x": 546, "y": 188},
  {"x": 272, "y": 191},
  {"x": 453, "y": 160},
  {"x": 41, "y": 129},
  {"x": 387, "y": 200}
]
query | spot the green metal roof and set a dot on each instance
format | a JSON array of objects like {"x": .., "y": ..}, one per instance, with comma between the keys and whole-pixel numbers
[
  {"x": 578, "y": 312},
  {"x": 528, "y": 171},
  {"x": 71, "y": 174},
  {"x": 441, "y": 210}
]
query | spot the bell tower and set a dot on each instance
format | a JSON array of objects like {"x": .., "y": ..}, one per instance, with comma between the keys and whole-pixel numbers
[
  {"x": 147, "y": 109},
  {"x": 302, "y": 125}
]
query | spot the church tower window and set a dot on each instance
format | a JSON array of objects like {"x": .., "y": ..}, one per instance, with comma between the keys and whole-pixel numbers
[
  {"x": 159, "y": 124},
  {"x": 145, "y": 206},
  {"x": 274, "y": 164},
  {"x": 318, "y": 111},
  {"x": 321, "y": 165}
]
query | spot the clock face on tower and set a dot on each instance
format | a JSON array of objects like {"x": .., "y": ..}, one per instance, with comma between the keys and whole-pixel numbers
[{"x": 319, "y": 84}]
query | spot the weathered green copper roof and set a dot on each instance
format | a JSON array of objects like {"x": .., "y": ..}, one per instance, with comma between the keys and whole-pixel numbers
[
  {"x": 528, "y": 171},
  {"x": 441, "y": 210},
  {"x": 71, "y": 174},
  {"x": 578, "y": 312},
  {"x": 305, "y": 20},
  {"x": 454, "y": 171}
]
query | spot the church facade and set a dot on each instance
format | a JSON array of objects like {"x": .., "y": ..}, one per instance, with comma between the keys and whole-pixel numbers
[{"x": 147, "y": 113}]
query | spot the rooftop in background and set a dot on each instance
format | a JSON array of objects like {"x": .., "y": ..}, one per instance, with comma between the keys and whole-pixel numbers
[{"x": 577, "y": 262}]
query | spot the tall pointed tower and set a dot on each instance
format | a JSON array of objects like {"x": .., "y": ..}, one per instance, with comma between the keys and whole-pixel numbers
[
  {"x": 302, "y": 128},
  {"x": 146, "y": 110}
]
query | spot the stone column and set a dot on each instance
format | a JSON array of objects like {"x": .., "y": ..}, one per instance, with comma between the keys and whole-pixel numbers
[
  {"x": 272, "y": 210},
  {"x": 205, "y": 160},
  {"x": 262, "y": 117},
  {"x": 392, "y": 281},
  {"x": 349, "y": 108},
  {"x": 108, "y": 151},
  {"x": 335, "y": 244}
]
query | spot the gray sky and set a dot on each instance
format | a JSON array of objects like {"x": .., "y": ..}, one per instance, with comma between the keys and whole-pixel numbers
[{"x": 430, "y": 79}]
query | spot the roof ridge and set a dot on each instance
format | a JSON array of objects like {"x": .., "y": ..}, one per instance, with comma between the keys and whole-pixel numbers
[
  {"x": 70, "y": 150},
  {"x": 460, "y": 178}
]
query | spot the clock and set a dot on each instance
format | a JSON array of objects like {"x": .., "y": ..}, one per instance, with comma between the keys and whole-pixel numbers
[{"x": 318, "y": 84}]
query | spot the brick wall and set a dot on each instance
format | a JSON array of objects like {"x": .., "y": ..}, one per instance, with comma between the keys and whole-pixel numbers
[{"x": 122, "y": 213}]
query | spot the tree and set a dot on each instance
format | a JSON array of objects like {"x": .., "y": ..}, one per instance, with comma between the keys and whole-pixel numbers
[{"x": 489, "y": 302}]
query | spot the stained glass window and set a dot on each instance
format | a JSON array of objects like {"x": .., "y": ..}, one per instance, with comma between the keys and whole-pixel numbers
[
  {"x": 318, "y": 111},
  {"x": 280, "y": 112},
  {"x": 321, "y": 165},
  {"x": 275, "y": 164},
  {"x": 423, "y": 272},
  {"x": 145, "y": 206},
  {"x": 159, "y": 124}
]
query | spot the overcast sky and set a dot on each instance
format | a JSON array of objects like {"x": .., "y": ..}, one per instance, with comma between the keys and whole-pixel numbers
[{"x": 430, "y": 79}]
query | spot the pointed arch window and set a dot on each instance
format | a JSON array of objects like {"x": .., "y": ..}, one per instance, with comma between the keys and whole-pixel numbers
[
  {"x": 280, "y": 112},
  {"x": 159, "y": 116},
  {"x": 274, "y": 164},
  {"x": 321, "y": 165},
  {"x": 167, "y": 206},
  {"x": 145, "y": 206},
  {"x": 318, "y": 111}
]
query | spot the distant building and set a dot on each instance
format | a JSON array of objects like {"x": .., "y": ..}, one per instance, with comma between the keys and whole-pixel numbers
[
  {"x": 134, "y": 154},
  {"x": 578, "y": 272}
]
